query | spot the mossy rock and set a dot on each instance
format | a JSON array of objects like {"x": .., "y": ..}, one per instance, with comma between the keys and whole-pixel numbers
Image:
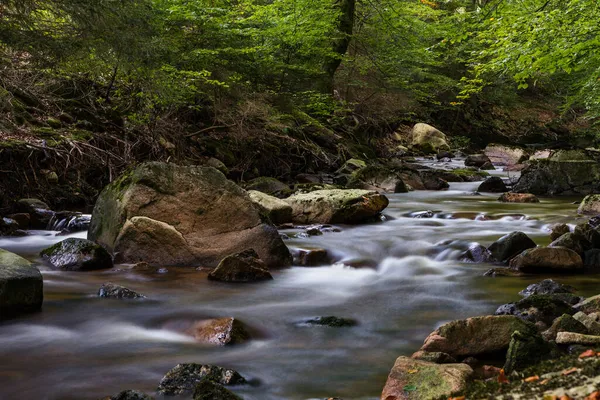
[
  {"x": 182, "y": 379},
  {"x": 77, "y": 255},
  {"x": 526, "y": 349},
  {"x": 21, "y": 286},
  {"x": 207, "y": 389}
]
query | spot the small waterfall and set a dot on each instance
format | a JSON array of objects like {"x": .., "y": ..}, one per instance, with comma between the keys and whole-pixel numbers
[{"x": 68, "y": 222}]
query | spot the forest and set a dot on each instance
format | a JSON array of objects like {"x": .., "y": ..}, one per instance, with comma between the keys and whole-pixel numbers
[{"x": 299, "y": 199}]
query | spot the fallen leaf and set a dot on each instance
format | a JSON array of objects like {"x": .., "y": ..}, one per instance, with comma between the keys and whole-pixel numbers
[
  {"x": 569, "y": 372},
  {"x": 588, "y": 353},
  {"x": 534, "y": 378},
  {"x": 502, "y": 377},
  {"x": 412, "y": 371},
  {"x": 544, "y": 381},
  {"x": 550, "y": 397},
  {"x": 457, "y": 398},
  {"x": 565, "y": 397}
]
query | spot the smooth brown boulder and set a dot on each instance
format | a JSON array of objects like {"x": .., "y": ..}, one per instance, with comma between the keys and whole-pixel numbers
[
  {"x": 477, "y": 335},
  {"x": 241, "y": 267},
  {"x": 166, "y": 214},
  {"x": 541, "y": 259},
  {"x": 511, "y": 197},
  {"x": 220, "y": 331},
  {"x": 425, "y": 379}
]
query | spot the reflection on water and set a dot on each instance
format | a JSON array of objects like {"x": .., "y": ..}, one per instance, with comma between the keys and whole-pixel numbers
[{"x": 82, "y": 347}]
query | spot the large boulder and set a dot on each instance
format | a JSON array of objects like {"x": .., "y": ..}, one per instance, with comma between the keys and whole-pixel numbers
[
  {"x": 165, "y": 214},
  {"x": 544, "y": 259},
  {"x": 380, "y": 179},
  {"x": 590, "y": 205},
  {"x": 428, "y": 139},
  {"x": 500, "y": 154},
  {"x": 182, "y": 379},
  {"x": 277, "y": 210},
  {"x": 245, "y": 266},
  {"x": 21, "y": 286},
  {"x": 77, "y": 255},
  {"x": 493, "y": 184},
  {"x": 422, "y": 380},
  {"x": 566, "y": 172},
  {"x": 336, "y": 206},
  {"x": 510, "y": 245},
  {"x": 477, "y": 335}
]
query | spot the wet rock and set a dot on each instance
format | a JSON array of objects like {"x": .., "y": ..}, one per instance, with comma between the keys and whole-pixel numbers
[
  {"x": 544, "y": 259},
  {"x": 477, "y": 335},
  {"x": 564, "y": 323},
  {"x": 309, "y": 178},
  {"x": 577, "y": 338},
  {"x": 488, "y": 166},
  {"x": 21, "y": 286},
  {"x": 350, "y": 166},
  {"x": 130, "y": 395},
  {"x": 444, "y": 154},
  {"x": 311, "y": 257},
  {"x": 505, "y": 155},
  {"x": 565, "y": 172},
  {"x": 332, "y": 321},
  {"x": 589, "y": 305},
  {"x": 241, "y": 267},
  {"x": 69, "y": 222},
  {"x": 167, "y": 215},
  {"x": 588, "y": 235},
  {"x": 110, "y": 290},
  {"x": 570, "y": 241},
  {"x": 477, "y": 253},
  {"x": 277, "y": 210},
  {"x": 590, "y": 321},
  {"x": 39, "y": 212},
  {"x": 526, "y": 349},
  {"x": 508, "y": 246},
  {"x": 557, "y": 230},
  {"x": 77, "y": 255},
  {"x": 429, "y": 380},
  {"x": 23, "y": 219},
  {"x": 434, "y": 357},
  {"x": 377, "y": 178},
  {"x": 591, "y": 258},
  {"x": 183, "y": 378},
  {"x": 494, "y": 184},
  {"x": 590, "y": 205},
  {"x": 476, "y": 160},
  {"x": 547, "y": 286},
  {"x": 10, "y": 227},
  {"x": 270, "y": 186},
  {"x": 428, "y": 139},
  {"x": 502, "y": 271},
  {"x": 336, "y": 206},
  {"x": 220, "y": 332},
  {"x": 511, "y": 197},
  {"x": 433, "y": 182},
  {"x": 207, "y": 389},
  {"x": 537, "y": 308}
]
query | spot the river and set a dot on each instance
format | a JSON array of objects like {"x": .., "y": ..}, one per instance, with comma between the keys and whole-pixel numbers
[{"x": 83, "y": 347}]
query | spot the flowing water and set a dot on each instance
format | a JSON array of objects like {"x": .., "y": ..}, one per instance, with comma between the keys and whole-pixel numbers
[{"x": 83, "y": 347}]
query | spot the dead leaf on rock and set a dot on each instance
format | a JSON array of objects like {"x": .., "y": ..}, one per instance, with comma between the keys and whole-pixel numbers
[
  {"x": 412, "y": 371},
  {"x": 533, "y": 378},
  {"x": 587, "y": 354},
  {"x": 593, "y": 396},
  {"x": 457, "y": 398},
  {"x": 569, "y": 372},
  {"x": 502, "y": 377}
]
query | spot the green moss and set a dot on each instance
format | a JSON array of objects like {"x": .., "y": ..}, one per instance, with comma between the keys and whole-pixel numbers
[{"x": 465, "y": 172}]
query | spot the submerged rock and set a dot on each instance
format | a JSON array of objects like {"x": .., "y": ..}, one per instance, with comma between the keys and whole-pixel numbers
[
  {"x": 477, "y": 254},
  {"x": 77, "y": 255},
  {"x": 220, "y": 331},
  {"x": 510, "y": 245},
  {"x": 312, "y": 257},
  {"x": 182, "y": 379},
  {"x": 110, "y": 290},
  {"x": 277, "y": 210},
  {"x": 332, "y": 321},
  {"x": 336, "y": 206},
  {"x": 241, "y": 267},
  {"x": 424, "y": 380},
  {"x": 207, "y": 389},
  {"x": 511, "y": 197},
  {"x": 21, "y": 286},
  {"x": 477, "y": 335},
  {"x": 543, "y": 259},
  {"x": 165, "y": 214}
]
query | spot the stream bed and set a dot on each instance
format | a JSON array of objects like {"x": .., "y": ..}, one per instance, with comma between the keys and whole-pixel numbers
[{"x": 84, "y": 347}]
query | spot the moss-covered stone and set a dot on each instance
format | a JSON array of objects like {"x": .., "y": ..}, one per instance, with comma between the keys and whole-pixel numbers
[
  {"x": 21, "y": 286},
  {"x": 207, "y": 389},
  {"x": 182, "y": 379},
  {"x": 77, "y": 255},
  {"x": 526, "y": 349}
]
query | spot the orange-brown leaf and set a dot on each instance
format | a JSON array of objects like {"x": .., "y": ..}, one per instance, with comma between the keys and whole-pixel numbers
[
  {"x": 502, "y": 377},
  {"x": 544, "y": 381},
  {"x": 570, "y": 371},
  {"x": 457, "y": 398},
  {"x": 533, "y": 378},
  {"x": 565, "y": 397},
  {"x": 593, "y": 396},
  {"x": 587, "y": 354}
]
